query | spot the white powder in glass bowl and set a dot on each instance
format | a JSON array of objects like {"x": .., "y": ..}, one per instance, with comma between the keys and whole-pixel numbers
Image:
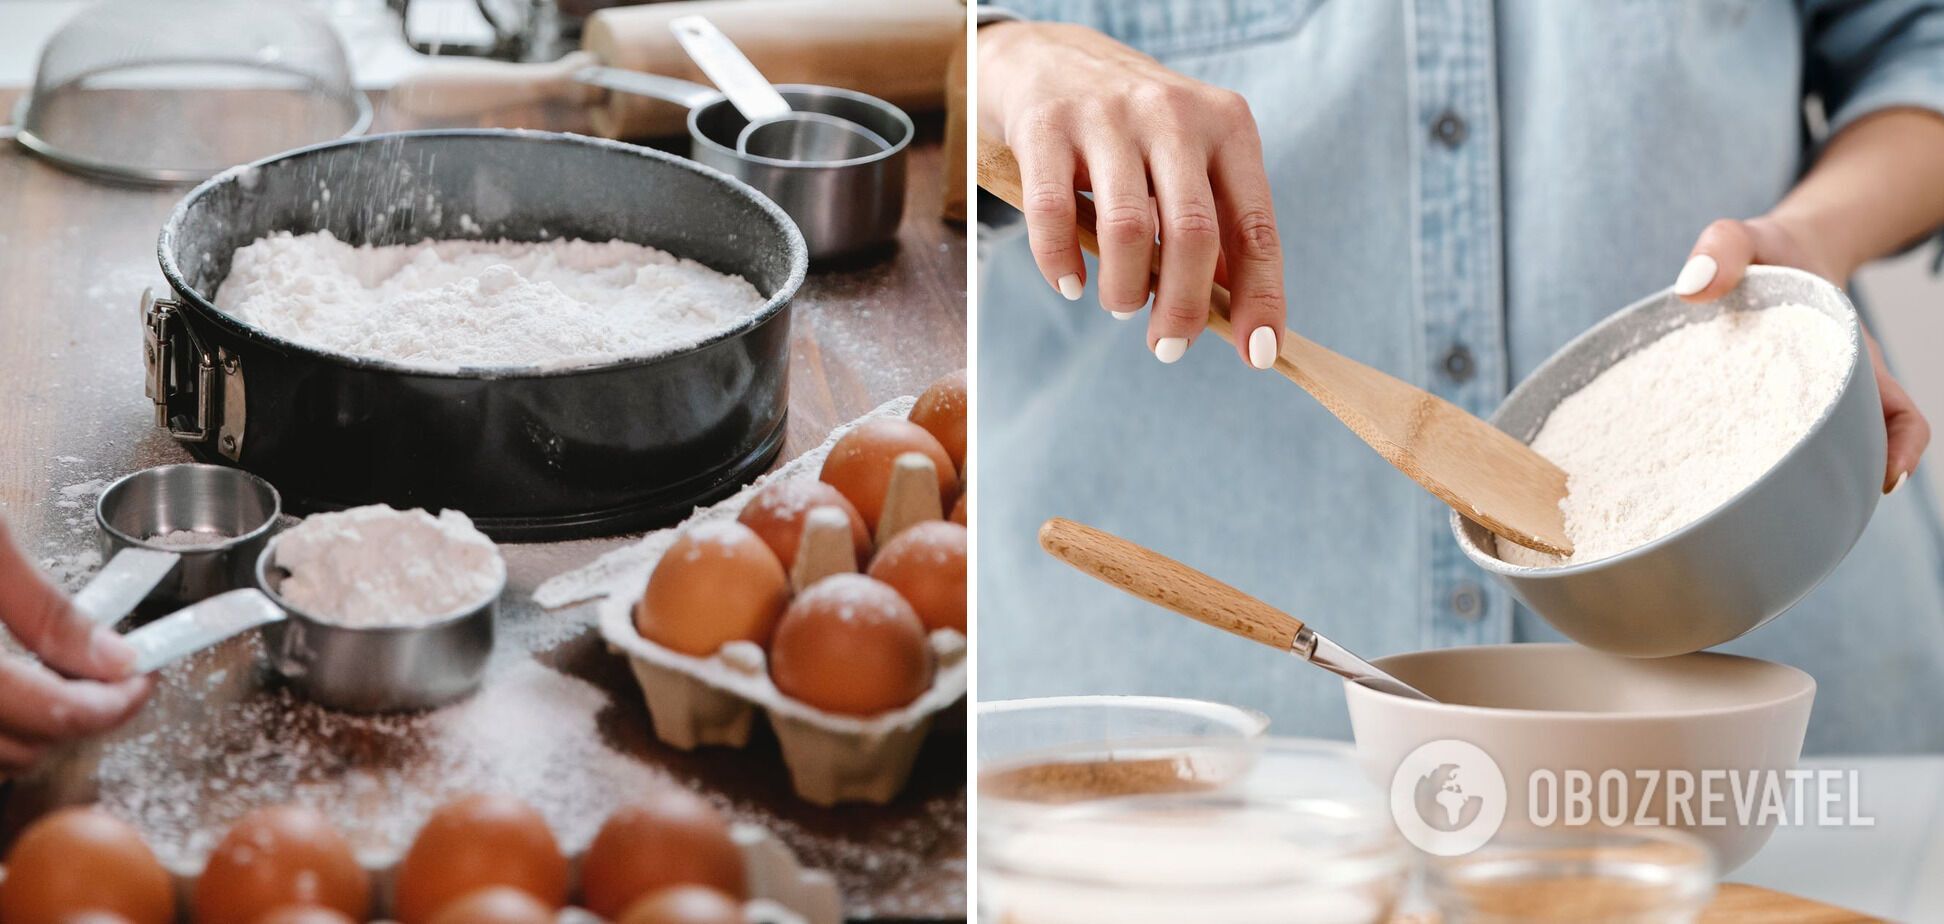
[
  {"x": 448, "y": 304},
  {"x": 1677, "y": 428},
  {"x": 371, "y": 567}
]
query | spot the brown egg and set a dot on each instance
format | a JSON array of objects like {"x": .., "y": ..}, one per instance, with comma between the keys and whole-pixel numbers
[
  {"x": 959, "y": 514},
  {"x": 474, "y": 842},
  {"x": 305, "y": 914},
  {"x": 925, "y": 564},
  {"x": 717, "y": 583},
  {"x": 84, "y": 859},
  {"x": 671, "y": 837},
  {"x": 496, "y": 905},
  {"x": 777, "y": 513},
  {"x": 277, "y": 856},
  {"x": 684, "y": 904},
  {"x": 941, "y": 411},
  {"x": 95, "y": 917},
  {"x": 860, "y": 464},
  {"x": 850, "y": 644}
]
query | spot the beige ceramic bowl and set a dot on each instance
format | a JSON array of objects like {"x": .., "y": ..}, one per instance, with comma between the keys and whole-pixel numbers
[{"x": 1564, "y": 707}]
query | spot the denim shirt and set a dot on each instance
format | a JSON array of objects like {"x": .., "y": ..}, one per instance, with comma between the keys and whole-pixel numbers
[{"x": 1462, "y": 186}]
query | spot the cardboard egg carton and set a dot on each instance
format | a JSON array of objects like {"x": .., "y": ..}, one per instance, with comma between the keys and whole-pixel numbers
[
  {"x": 832, "y": 758},
  {"x": 698, "y": 701},
  {"x": 781, "y": 890}
]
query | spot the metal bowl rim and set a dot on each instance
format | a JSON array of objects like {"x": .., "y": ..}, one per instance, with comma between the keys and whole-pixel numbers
[
  {"x": 471, "y": 611},
  {"x": 799, "y": 254},
  {"x": 1859, "y": 362},
  {"x": 269, "y": 524},
  {"x": 903, "y": 118}
]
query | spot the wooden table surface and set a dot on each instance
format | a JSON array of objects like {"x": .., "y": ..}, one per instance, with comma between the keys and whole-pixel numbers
[{"x": 76, "y": 255}]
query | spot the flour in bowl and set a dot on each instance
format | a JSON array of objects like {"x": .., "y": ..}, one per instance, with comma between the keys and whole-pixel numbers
[
  {"x": 447, "y": 304},
  {"x": 374, "y": 566},
  {"x": 1677, "y": 428}
]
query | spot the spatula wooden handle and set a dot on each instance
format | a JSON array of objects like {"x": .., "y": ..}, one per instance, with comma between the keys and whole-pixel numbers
[{"x": 1167, "y": 583}]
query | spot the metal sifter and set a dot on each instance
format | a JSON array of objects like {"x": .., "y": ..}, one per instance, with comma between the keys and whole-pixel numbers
[{"x": 123, "y": 91}]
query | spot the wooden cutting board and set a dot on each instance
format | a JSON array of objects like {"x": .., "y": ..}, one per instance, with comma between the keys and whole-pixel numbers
[{"x": 1736, "y": 903}]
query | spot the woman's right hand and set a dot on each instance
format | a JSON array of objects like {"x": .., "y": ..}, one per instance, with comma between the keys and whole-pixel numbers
[
  {"x": 84, "y": 681},
  {"x": 1161, "y": 153}
]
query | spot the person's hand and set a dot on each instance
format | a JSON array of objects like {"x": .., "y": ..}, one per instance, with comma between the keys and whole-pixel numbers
[
  {"x": 1161, "y": 153},
  {"x": 1725, "y": 251},
  {"x": 82, "y": 684}
]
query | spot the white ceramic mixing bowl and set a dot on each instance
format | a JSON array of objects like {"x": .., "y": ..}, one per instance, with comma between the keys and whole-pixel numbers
[{"x": 1565, "y": 708}]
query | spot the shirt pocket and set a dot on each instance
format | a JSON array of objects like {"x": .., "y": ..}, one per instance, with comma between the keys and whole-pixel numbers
[{"x": 1175, "y": 27}]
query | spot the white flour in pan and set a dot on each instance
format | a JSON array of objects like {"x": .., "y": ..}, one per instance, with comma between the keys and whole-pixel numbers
[
  {"x": 1671, "y": 432},
  {"x": 447, "y": 304},
  {"x": 376, "y": 566}
]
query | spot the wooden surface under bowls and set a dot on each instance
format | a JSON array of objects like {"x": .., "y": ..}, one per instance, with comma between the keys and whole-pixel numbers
[
  {"x": 76, "y": 255},
  {"x": 1735, "y": 903}
]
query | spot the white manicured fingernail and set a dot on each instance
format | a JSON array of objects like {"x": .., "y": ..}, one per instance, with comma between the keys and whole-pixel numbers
[
  {"x": 1895, "y": 487},
  {"x": 1070, "y": 287},
  {"x": 1169, "y": 349},
  {"x": 1124, "y": 315},
  {"x": 1695, "y": 276},
  {"x": 1262, "y": 347}
]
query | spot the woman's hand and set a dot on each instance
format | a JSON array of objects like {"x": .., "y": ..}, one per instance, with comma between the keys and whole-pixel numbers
[
  {"x": 1724, "y": 253},
  {"x": 1162, "y": 154},
  {"x": 93, "y": 690}
]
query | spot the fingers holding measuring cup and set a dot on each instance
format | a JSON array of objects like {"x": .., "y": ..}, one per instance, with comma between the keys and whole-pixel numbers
[{"x": 1163, "y": 156}]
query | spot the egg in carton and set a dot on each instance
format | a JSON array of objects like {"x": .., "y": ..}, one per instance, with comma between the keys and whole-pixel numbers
[
  {"x": 781, "y": 890},
  {"x": 695, "y": 701}
]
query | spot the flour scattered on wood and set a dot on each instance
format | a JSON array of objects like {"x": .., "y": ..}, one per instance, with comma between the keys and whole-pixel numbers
[
  {"x": 374, "y": 566},
  {"x": 532, "y": 731},
  {"x": 455, "y": 303},
  {"x": 1676, "y": 429}
]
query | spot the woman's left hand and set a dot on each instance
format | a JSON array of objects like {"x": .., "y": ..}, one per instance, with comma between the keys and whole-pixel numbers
[{"x": 1725, "y": 251}]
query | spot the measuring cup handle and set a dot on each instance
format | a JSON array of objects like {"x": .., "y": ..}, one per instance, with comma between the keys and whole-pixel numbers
[
  {"x": 1164, "y": 582},
  {"x": 194, "y": 628},
  {"x": 654, "y": 86},
  {"x": 123, "y": 584},
  {"x": 447, "y": 87}
]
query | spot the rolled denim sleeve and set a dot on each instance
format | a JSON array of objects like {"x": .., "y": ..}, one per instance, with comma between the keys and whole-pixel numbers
[{"x": 1869, "y": 55}]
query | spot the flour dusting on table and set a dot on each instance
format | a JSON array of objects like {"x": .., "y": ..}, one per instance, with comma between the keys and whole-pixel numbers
[
  {"x": 532, "y": 731},
  {"x": 466, "y": 303},
  {"x": 1674, "y": 430}
]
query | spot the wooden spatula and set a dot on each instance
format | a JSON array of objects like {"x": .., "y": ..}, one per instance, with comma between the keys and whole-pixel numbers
[
  {"x": 1479, "y": 470},
  {"x": 1169, "y": 584}
]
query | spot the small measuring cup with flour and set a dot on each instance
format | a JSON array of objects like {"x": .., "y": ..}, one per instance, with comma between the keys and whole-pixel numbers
[
  {"x": 387, "y": 610},
  {"x": 177, "y": 534},
  {"x": 366, "y": 610}
]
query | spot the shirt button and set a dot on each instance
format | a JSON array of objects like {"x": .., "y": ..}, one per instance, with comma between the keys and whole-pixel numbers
[
  {"x": 1458, "y": 363},
  {"x": 1467, "y": 601},
  {"x": 1449, "y": 129}
]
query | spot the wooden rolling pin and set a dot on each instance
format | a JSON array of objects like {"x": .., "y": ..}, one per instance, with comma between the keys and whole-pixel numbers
[
  {"x": 896, "y": 50},
  {"x": 1479, "y": 470}
]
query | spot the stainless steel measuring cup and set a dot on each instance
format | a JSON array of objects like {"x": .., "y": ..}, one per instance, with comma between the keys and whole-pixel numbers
[
  {"x": 841, "y": 206},
  {"x": 380, "y": 668},
  {"x": 237, "y": 510},
  {"x": 773, "y": 129}
]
